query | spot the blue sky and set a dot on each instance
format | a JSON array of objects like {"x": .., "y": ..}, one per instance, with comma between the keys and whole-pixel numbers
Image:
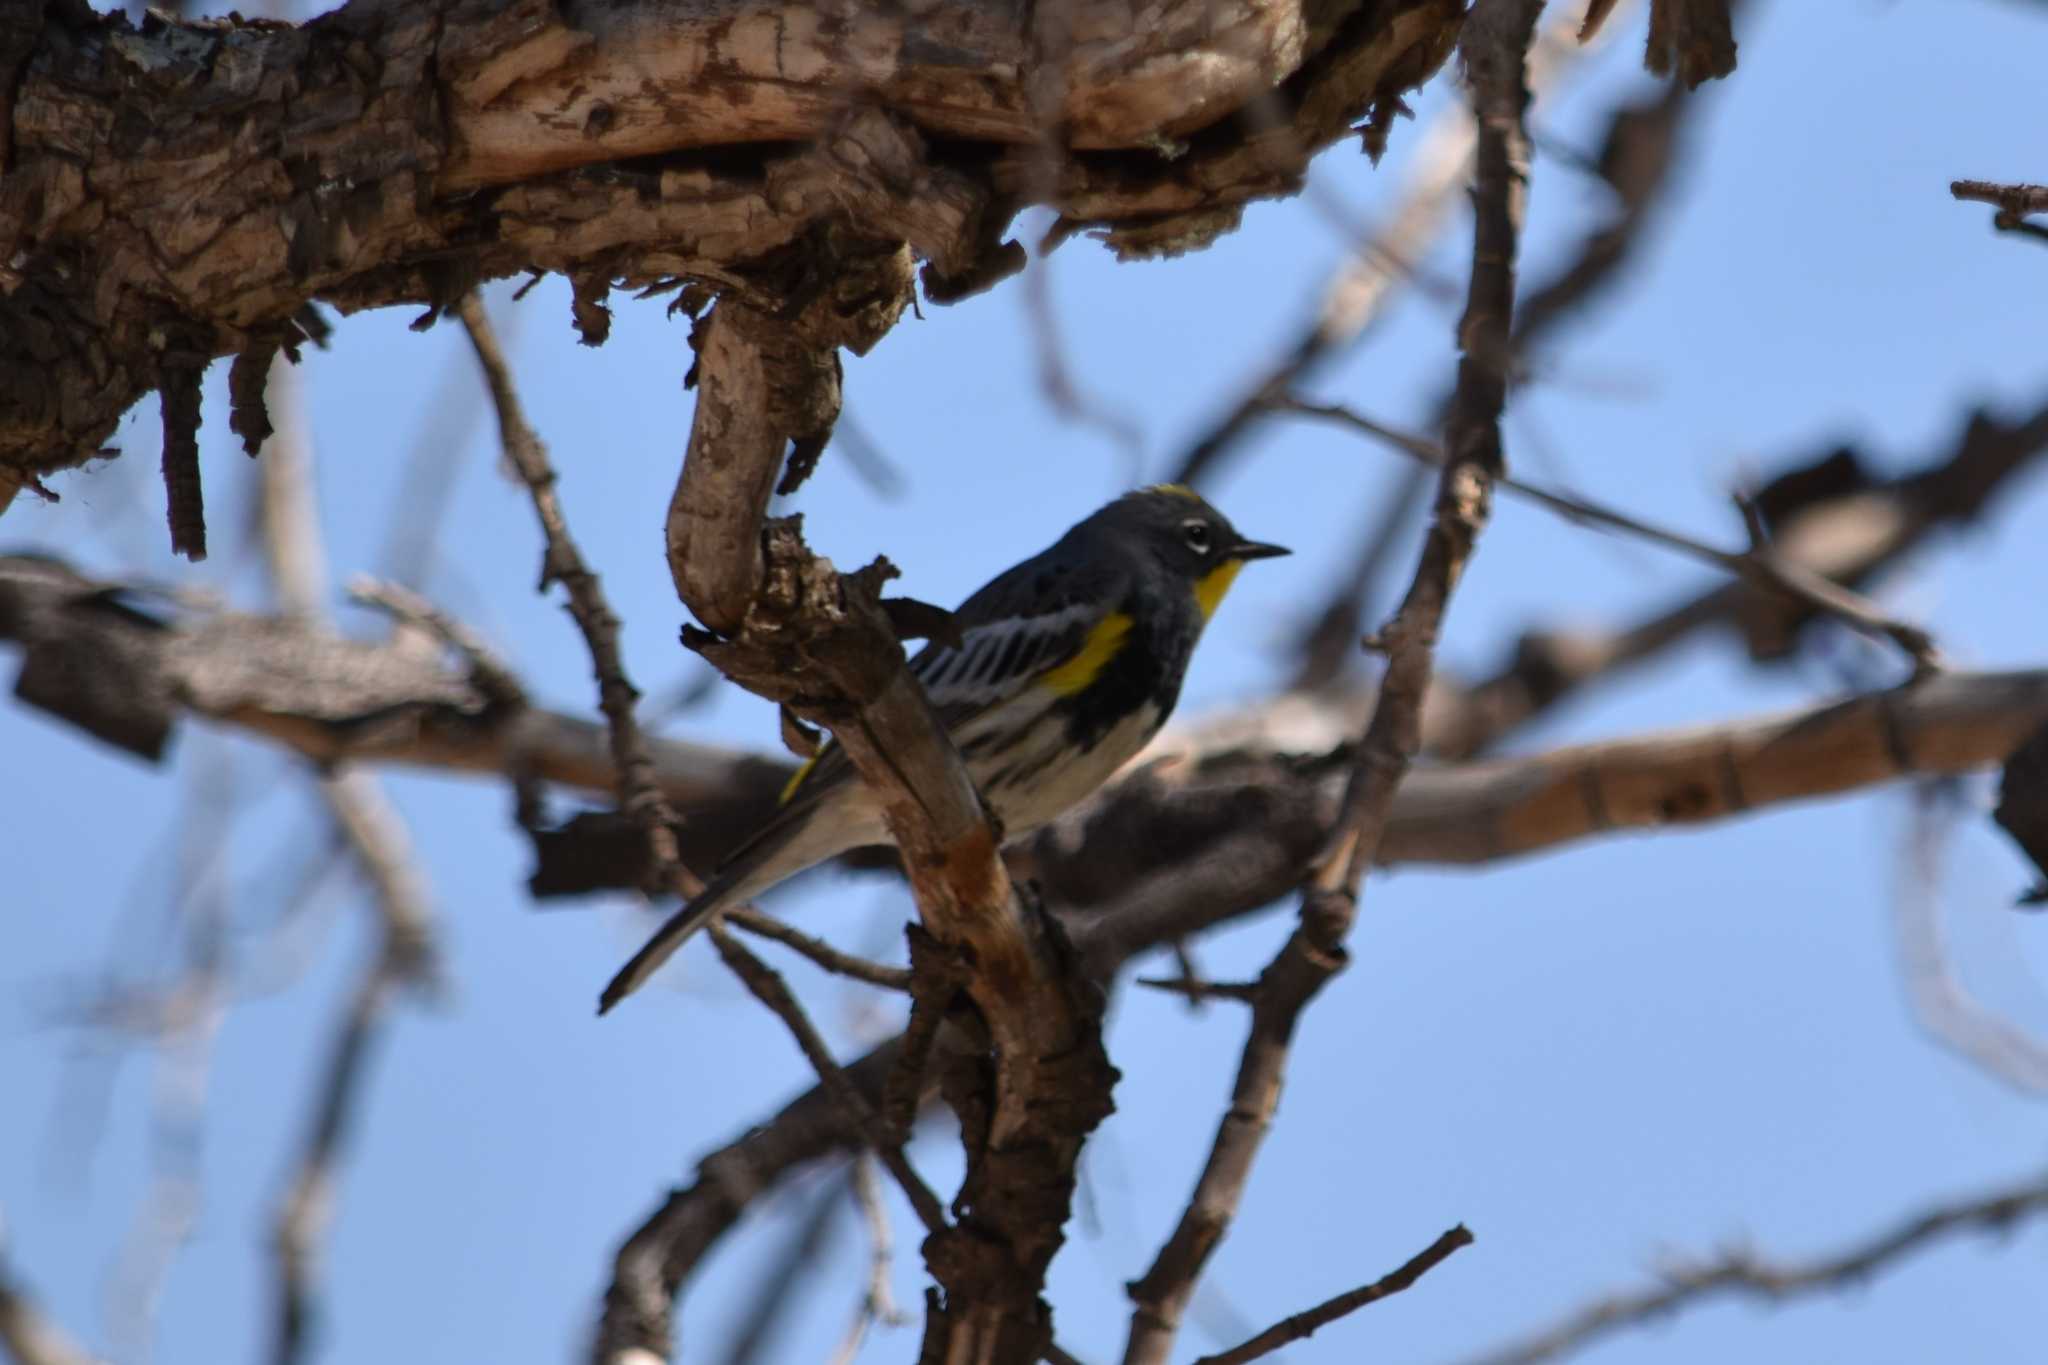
[{"x": 1640, "y": 1046}]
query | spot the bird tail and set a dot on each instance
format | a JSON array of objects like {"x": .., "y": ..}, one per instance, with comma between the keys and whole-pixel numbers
[
  {"x": 719, "y": 892},
  {"x": 838, "y": 816}
]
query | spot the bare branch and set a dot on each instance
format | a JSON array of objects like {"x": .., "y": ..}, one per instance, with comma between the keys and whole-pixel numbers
[
  {"x": 822, "y": 645},
  {"x": 29, "y": 1334},
  {"x": 820, "y": 952},
  {"x": 1494, "y": 46},
  {"x": 1742, "y": 1274},
  {"x": 1941, "y": 1002},
  {"x": 375, "y": 835},
  {"x": 877, "y": 1303},
  {"x": 1305, "y": 1324},
  {"x": 1760, "y": 564},
  {"x": 2015, "y": 204},
  {"x": 1173, "y": 853},
  {"x": 1638, "y": 160},
  {"x": 639, "y": 795},
  {"x": 1259, "y": 782},
  {"x": 1356, "y": 295},
  {"x": 769, "y": 988},
  {"x": 814, "y": 129},
  {"x": 1693, "y": 38}
]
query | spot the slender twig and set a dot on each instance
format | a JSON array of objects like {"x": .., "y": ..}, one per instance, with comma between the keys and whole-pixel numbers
[
  {"x": 307, "y": 1208},
  {"x": 834, "y": 960},
  {"x": 492, "y": 675},
  {"x": 1637, "y": 156},
  {"x": 1304, "y": 1324},
  {"x": 1056, "y": 382},
  {"x": 1942, "y": 1003},
  {"x": 1196, "y": 989},
  {"x": 375, "y": 835},
  {"x": 1760, "y": 564},
  {"x": 1465, "y": 813},
  {"x": 877, "y": 1303},
  {"x": 793, "y": 1269},
  {"x": 1495, "y": 45},
  {"x": 28, "y": 1334},
  {"x": 1743, "y": 1274},
  {"x": 1356, "y": 295},
  {"x": 769, "y": 988},
  {"x": 639, "y": 792}
]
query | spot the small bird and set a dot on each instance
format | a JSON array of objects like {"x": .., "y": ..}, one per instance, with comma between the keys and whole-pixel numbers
[{"x": 1066, "y": 666}]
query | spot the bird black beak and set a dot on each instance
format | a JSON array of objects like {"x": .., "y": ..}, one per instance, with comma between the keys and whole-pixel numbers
[{"x": 1252, "y": 549}]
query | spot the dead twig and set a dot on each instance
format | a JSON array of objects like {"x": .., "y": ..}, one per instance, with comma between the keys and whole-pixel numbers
[
  {"x": 375, "y": 835},
  {"x": 31, "y": 1336},
  {"x": 1495, "y": 47},
  {"x": 1942, "y": 1004},
  {"x": 1760, "y": 564},
  {"x": 1638, "y": 158},
  {"x": 640, "y": 796},
  {"x": 834, "y": 960},
  {"x": 2015, "y": 204},
  {"x": 1356, "y": 295},
  {"x": 877, "y": 1303},
  {"x": 1197, "y": 990},
  {"x": 1305, "y": 1324},
  {"x": 1743, "y": 1274},
  {"x": 1170, "y": 856},
  {"x": 769, "y": 988}
]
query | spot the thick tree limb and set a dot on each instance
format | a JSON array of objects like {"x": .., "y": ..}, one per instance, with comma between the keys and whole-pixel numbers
[
  {"x": 1261, "y": 782},
  {"x": 792, "y": 629},
  {"x": 1197, "y": 840},
  {"x": 1743, "y": 1274},
  {"x": 201, "y": 181}
]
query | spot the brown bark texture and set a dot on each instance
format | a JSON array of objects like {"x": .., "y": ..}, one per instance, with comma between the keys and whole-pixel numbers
[{"x": 180, "y": 191}]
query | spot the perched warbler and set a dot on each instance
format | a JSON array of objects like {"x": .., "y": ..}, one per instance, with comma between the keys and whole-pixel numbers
[{"x": 1067, "y": 665}]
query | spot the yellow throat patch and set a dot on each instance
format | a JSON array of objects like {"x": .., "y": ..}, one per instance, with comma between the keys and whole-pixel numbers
[{"x": 1211, "y": 586}]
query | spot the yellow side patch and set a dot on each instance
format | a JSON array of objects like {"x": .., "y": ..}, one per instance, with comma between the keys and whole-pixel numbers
[
  {"x": 1096, "y": 651},
  {"x": 1211, "y": 586},
  {"x": 789, "y": 787}
]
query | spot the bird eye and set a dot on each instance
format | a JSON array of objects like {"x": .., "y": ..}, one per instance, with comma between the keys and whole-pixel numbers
[{"x": 1196, "y": 534}]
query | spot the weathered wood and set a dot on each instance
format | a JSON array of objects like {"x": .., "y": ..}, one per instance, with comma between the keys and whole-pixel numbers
[{"x": 185, "y": 189}]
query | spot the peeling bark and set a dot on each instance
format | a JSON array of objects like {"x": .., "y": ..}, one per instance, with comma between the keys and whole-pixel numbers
[{"x": 187, "y": 188}]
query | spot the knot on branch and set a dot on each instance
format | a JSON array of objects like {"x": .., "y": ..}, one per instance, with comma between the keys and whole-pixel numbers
[{"x": 813, "y": 639}]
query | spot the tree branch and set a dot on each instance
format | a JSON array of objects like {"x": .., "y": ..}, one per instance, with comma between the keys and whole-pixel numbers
[
  {"x": 2015, "y": 203},
  {"x": 770, "y": 989},
  {"x": 402, "y": 151},
  {"x": 1495, "y": 48},
  {"x": 1305, "y": 1324},
  {"x": 821, "y": 645},
  {"x": 1760, "y": 564},
  {"x": 1742, "y": 1274},
  {"x": 28, "y": 1334}
]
